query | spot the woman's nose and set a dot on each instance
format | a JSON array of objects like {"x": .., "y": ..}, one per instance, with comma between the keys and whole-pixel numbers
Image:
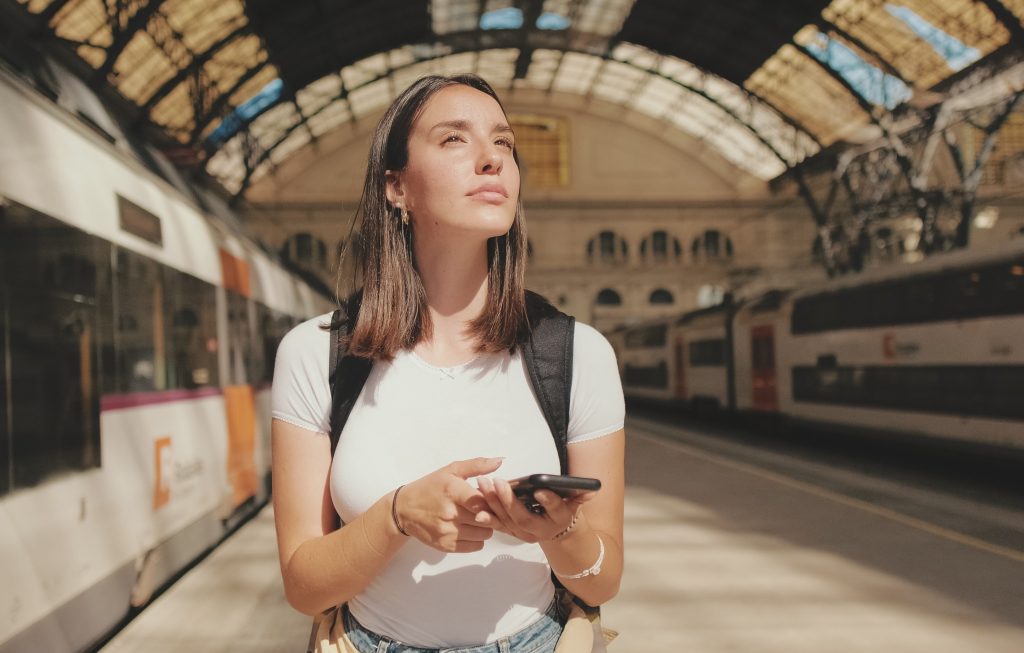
[{"x": 490, "y": 162}]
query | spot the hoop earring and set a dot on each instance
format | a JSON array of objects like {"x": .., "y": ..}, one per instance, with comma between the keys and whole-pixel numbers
[{"x": 405, "y": 214}]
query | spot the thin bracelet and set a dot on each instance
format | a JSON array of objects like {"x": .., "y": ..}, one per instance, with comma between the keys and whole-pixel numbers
[
  {"x": 572, "y": 524},
  {"x": 394, "y": 511},
  {"x": 592, "y": 571}
]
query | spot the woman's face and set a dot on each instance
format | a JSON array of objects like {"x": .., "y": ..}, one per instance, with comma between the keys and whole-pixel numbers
[{"x": 460, "y": 175}]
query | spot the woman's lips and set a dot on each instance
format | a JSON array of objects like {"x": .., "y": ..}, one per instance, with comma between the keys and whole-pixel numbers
[{"x": 489, "y": 196}]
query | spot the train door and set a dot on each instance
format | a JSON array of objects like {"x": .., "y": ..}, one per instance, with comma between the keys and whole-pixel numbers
[
  {"x": 762, "y": 350},
  {"x": 680, "y": 354}
]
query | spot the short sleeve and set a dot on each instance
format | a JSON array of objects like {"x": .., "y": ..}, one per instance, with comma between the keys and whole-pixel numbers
[
  {"x": 596, "y": 406},
  {"x": 301, "y": 392}
]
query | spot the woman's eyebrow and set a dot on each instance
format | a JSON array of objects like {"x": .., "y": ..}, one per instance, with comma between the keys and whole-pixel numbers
[{"x": 464, "y": 125}]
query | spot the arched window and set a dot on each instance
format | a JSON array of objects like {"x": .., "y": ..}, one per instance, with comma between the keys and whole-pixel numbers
[
  {"x": 607, "y": 247},
  {"x": 608, "y": 297},
  {"x": 660, "y": 247},
  {"x": 305, "y": 249},
  {"x": 661, "y": 296},
  {"x": 711, "y": 245}
]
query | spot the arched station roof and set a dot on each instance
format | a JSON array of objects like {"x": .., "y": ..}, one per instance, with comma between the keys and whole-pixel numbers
[{"x": 242, "y": 86}]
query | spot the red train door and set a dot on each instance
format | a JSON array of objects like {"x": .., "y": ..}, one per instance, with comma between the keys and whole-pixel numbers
[
  {"x": 762, "y": 354},
  {"x": 680, "y": 369}
]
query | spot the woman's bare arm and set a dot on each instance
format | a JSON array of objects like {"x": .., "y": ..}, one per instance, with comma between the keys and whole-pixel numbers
[{"x": 322, "y": 567}]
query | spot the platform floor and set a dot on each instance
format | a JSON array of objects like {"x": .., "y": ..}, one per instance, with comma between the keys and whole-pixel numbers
[{"x": 721, "y": 556}]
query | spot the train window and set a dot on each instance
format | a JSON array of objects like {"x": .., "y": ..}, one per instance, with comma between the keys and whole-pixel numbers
[
  {"x": 190, "y": 307},
  {"x": 273, "y": 326},
  {"x": 653, "y": 376},
  {"x": 967, "y": 390},
  {"x": 646, "y": 337},
  {"x": 707, "y": 353},
  {"x": 54, "y": 285},
  {"x": 139, "y": 303}
]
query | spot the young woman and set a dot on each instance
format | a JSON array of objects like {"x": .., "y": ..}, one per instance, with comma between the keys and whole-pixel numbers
[{"x": 434, "y": 551}]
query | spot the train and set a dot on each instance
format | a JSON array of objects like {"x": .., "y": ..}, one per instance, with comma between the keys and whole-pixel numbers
[
  {"x": 930, "y": 352},
  {"x": 138, "y": 327}
]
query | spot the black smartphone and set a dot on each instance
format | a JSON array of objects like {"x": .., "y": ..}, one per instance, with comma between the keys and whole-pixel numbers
[{"x": 564, "y": 486}]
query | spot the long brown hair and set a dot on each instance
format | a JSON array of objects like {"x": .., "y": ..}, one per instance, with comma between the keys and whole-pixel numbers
[{"x": 386, "y": 288}]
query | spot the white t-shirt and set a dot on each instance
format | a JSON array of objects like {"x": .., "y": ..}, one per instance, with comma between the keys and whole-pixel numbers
[{"x": 413, "y": 418}]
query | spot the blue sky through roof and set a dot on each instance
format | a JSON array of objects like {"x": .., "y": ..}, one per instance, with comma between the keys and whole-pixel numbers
[
  {"x": 512, "y": 18},
  {"x": 955, "y": 52},
  {"x": 868, "y": 80},
  {"x": 246, "y": 112}
]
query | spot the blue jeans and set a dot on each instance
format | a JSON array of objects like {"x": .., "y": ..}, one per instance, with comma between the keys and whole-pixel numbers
[{"x": 539, "y": 637}]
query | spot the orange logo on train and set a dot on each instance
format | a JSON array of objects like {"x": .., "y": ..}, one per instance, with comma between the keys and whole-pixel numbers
[{"x": 163, "y": 466}]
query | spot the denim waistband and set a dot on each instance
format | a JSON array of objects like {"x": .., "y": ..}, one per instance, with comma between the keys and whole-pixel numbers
[{"x": 539, "y": 636}]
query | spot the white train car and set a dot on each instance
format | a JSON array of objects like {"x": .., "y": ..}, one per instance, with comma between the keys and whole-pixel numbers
[
  {"x": 704, "y": 357},
  {"x": 646, "y": 361},
  {"x": 934, "y": 348},
  {"x": 137, "y": 336}
]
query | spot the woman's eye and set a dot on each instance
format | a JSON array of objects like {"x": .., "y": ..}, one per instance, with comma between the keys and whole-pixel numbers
[
  {"x": 452, "y": 137},
  {"x": 505, "y": 142}
]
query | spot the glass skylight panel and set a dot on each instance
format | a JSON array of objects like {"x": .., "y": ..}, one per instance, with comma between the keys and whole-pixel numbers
[
  {"x": 226, "y": 165},
  {"x": 576, "y": 72},
  {"x": 318, "y": 94},
  {"x": 201, "y": 24},
  {"x": 142, "y": 68},
  {"x": 456, "y": 63},
  {"x": 617, "y": 82},
  {"x": 683, "y": 71},
  {"x": 370, "y": 98},
  {"x": 295, "y": 141},
  {"x": 265, "y": 76},
  {"x": 636, "y": 55},
  {"x": 365, "y": 70},
  {"x": 329, "y": 118},
  {"x": 866, "y": 79},
  {"x": 604, "y": 17},
  {"x": 956, "y": 54},
  {"x": 401, "y": 57},
  {"x": 542, "y": 69},
  {"x": 505, "y": 18},
  {"x": 656, "y": 96},
  {"x": 271, "y": 126},
  {"x": 174, "y": 112},
  {"x": 247, "y": 112}
]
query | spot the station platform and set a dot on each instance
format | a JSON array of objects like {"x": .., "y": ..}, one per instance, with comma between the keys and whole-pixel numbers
[{"x": 721, "y": 555}]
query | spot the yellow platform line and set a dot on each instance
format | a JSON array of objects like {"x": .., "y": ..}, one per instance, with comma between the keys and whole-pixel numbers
[{"x": 817, "y": 491}]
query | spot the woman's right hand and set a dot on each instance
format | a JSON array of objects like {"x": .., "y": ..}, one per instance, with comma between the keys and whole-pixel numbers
[{"x": 440, "y": 509}]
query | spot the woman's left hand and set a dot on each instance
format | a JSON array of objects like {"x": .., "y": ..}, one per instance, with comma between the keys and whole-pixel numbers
[{"x": 508, "y": 514}]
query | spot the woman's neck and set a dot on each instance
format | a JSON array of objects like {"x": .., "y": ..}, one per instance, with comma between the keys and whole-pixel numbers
[{"x": 455, "y": 280}]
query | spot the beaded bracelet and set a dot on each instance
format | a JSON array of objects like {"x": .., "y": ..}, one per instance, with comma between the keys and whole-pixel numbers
[
  {"x": 594, "y": 569},
  {"x": 572, "y": 524},
  {"x": 394, "y": 511}
]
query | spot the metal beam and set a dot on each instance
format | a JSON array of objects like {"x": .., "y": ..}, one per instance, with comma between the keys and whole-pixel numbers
[
  {"x": 697, "y": 91},
  {"x": 197, "y": 62},
  {"x": 881, "y": 61}
]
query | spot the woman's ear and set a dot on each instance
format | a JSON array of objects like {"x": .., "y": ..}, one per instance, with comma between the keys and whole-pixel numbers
[{"x": 393, "y": 187}]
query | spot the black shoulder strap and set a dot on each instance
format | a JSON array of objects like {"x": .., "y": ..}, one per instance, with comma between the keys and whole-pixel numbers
[
  {"x": 347, "y": 374},
  {"x": 548, "y": 354}
]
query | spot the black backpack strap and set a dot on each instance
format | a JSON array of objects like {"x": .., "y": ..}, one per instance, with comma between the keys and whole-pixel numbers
[
  {"x": 346, "y": 374},
  {"x": 548, "y": 355}
]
